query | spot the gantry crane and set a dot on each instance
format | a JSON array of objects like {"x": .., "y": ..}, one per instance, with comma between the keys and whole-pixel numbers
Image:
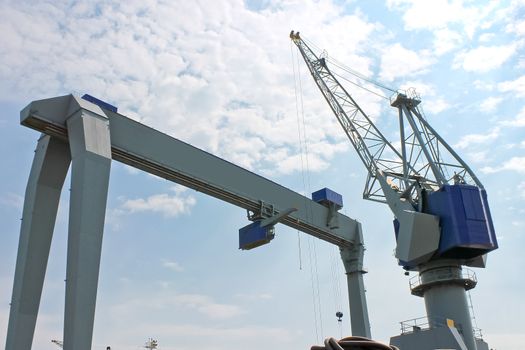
[
  {"x": 88, "y": 134},
  {"x": 442, "y": 218}
]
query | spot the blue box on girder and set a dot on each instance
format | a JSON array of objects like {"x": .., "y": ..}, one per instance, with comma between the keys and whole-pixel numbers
[
  {"x": 253, "y": 235},
  {"x": 326, "y": 196},
  {"x": 100, "y": 103},
  {"x": 467, "y": 230}
]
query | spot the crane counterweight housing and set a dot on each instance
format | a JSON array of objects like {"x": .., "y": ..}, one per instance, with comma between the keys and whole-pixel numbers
[{"x": 467, "y": 230}]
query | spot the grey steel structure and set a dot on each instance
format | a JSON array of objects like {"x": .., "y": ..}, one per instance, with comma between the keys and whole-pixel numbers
[
  {"x": 412, "y": 180},
  {"x": 81, "y": 133}
]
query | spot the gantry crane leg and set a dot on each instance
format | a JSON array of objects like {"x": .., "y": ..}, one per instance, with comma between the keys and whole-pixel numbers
[
  {"x": 48, "y": 172},
  {"x": 90, "y": 144}
]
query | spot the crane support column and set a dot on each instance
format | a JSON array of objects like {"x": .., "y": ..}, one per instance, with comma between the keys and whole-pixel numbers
[
  {"x": 91, "y": 162},
  {"x": 48, "y": 172},
  {"x": 443, "y": 285},
  {"x": 353, "y": 262}
]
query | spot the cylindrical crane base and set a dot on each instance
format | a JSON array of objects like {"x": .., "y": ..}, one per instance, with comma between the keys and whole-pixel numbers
[{"x": 443, "y": 285}]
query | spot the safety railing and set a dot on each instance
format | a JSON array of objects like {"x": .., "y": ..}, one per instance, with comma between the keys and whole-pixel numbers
[
  {"x": 423, "y": 323},
  {"x": 464, "y": 275}
]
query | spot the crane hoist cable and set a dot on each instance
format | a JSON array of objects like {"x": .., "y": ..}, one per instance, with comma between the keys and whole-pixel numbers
[
  {"x": 359, "y": 86},
  {"x": 303, "y": 145},
  {"x": 349, "y": 70}
]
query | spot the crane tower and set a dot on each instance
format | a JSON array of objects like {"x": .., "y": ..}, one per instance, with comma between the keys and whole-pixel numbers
[{"x": 442, "y": 218}]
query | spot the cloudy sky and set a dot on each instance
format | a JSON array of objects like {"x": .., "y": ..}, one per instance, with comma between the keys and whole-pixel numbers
[{"x": 223, "y": 76}]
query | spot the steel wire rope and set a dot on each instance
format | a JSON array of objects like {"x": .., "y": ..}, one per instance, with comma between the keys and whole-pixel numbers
[
  {"x": 359, "y": 86},
  {"x": 312, "y": 244},
  {"x": 300, "y": 146},
  {"x": 361, "y": 76},
  {"x": 348, "y": 69},
  {"x": 336, "y": 285},
  {"x": 301, "y": 150},
  {"x": 309, "y": 190}
]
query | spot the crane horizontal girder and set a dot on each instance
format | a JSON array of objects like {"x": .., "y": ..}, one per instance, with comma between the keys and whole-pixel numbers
[{"x": 150, "y": 150}]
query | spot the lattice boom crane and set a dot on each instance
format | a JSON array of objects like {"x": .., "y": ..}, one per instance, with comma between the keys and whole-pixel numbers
[{"x": 442, "y": 218}]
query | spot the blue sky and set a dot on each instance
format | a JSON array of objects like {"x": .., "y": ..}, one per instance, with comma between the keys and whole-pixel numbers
[{"x": 219, "y": 75}]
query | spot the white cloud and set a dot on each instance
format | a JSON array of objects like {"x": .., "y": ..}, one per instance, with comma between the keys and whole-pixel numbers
[
  {"x": 216, "y": 75},
  {"x": 484, "y": 58},
  {"x": 468, "y": 140},
  {"x": 486, "y": 37},
  {"x": 516, "y": 22},
  {"x": 253, "y": 297},
  {"x": 521, "y": 189},
  {"x": 431, "y": 101},
  {"x": 165, "y": 299},
  {"x": 439, "y": 14},
  {"x": 518, "y": 121},
  {"x": 169, "y": 206},
  {"x": 483, "y": 85},
  {"x": 516, "y": 86},
  {"x": 173, "y": 265},
  {"x": 397, "y": 61},
  {"x": 178, "y": 189},
  {"x": 516, "y": 164},
  {"x": 436, "y": 105},
  {"x": 207, "y": 306},
  {"x": 477, "y": 157},
  {"x": 429, "y": 15},
  {"x": 490, "y": 104},
  {"x": 12, "y": 200},
  {"x": 446, "y": 40}
]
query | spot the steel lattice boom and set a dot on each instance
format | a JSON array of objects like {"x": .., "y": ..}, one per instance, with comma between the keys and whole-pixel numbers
[{"x": 423, "y": 160}]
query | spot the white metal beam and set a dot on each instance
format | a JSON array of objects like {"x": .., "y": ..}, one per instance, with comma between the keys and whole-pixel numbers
[
  {"x": 157, "y": 153},
  {"x": 89, "y": 140},
  {"x": 48, "y": 172}
]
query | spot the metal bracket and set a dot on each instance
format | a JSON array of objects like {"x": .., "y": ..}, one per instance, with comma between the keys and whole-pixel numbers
[
  {"x": 267, "y": 215},
  {"x": 332, "y": 220},
  {"x": 264, "y": 211}
]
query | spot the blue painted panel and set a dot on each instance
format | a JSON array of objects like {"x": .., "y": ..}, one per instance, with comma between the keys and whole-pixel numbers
[
  {"x": 100, "y": 103},
  {"x": 326, "y": 196},
  {"x": 253, "y": 235},
  {"x": 466, "y": 224}
]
